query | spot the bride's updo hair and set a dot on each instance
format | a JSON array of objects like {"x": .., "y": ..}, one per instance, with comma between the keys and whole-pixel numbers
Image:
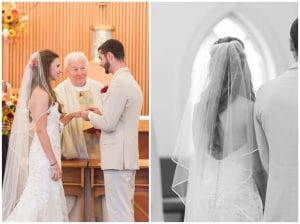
[
  {"x": 231, "y": 88},
  {"x": 229, "y": 39},
  {"x": 46, "y": 57}
]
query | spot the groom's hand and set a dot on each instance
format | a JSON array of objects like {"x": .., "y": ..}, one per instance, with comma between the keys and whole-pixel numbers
[
  {"x": 84, "y": 115},
  {"x": 95, "y": 110}
]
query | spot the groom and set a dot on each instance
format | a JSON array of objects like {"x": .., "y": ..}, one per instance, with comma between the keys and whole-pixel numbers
[
  {"x": 119, "y": 123},
  {"x": 276, "y": 125}
]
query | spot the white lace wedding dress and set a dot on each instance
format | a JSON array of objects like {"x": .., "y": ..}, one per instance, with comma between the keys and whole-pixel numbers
[
  {"x": 229, "y": 192},
  {"x": 43, "y": 199}
]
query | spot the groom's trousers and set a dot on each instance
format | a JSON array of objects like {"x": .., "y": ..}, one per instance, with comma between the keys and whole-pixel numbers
[{"x": 119, "y": 195}]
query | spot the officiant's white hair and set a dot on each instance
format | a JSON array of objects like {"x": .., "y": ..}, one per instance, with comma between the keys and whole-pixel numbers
[{"x": 74, "y": 56}]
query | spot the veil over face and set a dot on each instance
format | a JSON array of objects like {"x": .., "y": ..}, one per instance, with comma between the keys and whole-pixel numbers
[
  {"x": 218, "y": 126},
  {"x": 23, "y": 128}
]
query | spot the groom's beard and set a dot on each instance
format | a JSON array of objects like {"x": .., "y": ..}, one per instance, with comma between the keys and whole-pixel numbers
[{"x": 106, "y": 67}]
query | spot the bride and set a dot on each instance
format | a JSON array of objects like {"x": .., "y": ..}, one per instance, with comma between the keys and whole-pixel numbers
[
  {"x": 32, "y": 189},
  {"x": 219, "y": 176}
]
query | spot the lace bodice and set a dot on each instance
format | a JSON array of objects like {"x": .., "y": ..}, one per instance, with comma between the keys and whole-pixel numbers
[
  {"x": 54, "y": 130},
  {"x": 237, "y": 166},
  {"x": 229, "y": 192}
]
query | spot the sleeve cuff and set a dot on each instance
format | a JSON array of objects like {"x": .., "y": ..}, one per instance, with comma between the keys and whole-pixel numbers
[{"x": 89, "y": 115}]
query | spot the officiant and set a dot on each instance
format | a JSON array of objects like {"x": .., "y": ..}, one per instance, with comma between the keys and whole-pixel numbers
[{"x": 79, "y": 139}]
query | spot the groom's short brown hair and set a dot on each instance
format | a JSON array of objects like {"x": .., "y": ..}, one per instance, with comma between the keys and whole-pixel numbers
[{"x": 113, "y": 46}]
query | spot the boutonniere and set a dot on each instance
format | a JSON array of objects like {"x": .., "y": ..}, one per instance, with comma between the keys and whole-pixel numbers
[{"x": 104, "y": 89}]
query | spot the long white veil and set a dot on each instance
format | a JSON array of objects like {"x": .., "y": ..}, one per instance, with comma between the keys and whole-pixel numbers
[
  {"x": 16, "y": 170},
  {"x": 216, "y": 125}
]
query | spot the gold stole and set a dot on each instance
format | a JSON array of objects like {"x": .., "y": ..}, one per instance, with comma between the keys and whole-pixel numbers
[{"x": 85, "y": 99}]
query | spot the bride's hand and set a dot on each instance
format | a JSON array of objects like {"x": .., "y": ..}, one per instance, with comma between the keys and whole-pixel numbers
[
  {"x": 56, "y": 172},
  {"x": 76, "y": 114}
]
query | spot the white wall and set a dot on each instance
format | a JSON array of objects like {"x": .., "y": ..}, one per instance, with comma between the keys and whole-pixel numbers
[{"x": 177, "y": 30}]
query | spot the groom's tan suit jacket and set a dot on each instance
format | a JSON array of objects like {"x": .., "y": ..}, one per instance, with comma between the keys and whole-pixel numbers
[
  {"x": 119, "y": 123},
  {"x": 276, "y": 127}
]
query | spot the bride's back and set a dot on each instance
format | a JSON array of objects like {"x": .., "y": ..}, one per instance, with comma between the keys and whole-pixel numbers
[{"x": 236, "y": 125}]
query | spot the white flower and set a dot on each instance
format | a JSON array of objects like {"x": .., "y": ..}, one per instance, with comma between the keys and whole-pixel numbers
[
  {"x": 5, "y": 32},
  {"x": 9, "y": 103}
]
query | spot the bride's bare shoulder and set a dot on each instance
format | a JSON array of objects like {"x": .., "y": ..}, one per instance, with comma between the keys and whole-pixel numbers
[
  {"x": 39, "y": 92},
  {"x": 38, "y": 95}
]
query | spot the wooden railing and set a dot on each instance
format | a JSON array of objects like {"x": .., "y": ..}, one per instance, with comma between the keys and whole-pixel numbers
[{"x": 74, "y": 177}]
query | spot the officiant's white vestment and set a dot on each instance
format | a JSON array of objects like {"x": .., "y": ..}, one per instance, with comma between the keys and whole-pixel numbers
[
  {"x": 276, "y": 126},
  {"x": 74, "y": 142},
  {"x": 119, "y": 124}
]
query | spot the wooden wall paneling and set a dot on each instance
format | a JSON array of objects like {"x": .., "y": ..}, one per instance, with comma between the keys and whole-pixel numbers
[{"x": 64, "y": 27}]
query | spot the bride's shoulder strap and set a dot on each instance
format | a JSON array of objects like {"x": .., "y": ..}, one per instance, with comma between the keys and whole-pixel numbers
[{"x": 38, "y": 104}]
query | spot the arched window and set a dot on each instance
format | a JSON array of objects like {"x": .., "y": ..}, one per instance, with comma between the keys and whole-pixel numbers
[{"x": 230, "y": 26}]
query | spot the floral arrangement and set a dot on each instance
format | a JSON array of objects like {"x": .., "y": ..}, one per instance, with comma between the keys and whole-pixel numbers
[
  {"x": 13, "y": 21},
  {"x": 8, "y": 112}
]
